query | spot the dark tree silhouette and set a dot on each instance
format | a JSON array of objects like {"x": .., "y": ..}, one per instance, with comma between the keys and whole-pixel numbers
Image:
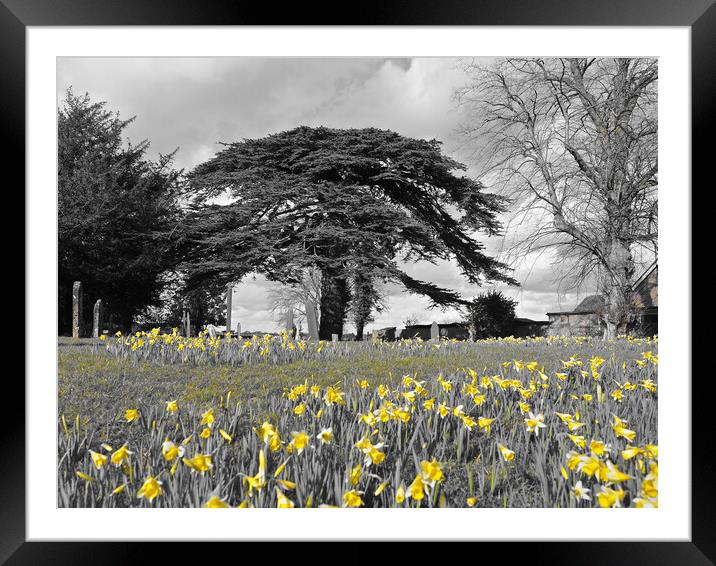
[
  {"x": 350, "y": 203},
  {"x": 113, "y": 207},
  {"x": 491, "y": 315}
]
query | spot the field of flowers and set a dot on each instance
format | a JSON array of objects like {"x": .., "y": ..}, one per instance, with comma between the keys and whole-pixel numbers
[{"x": 559, "y": 422}]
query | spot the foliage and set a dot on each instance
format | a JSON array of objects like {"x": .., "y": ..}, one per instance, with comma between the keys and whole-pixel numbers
[
  {"x": 573, "y": 143},
  {"x": 113, "y": 206},
  {"x": 206, "y": 303},
  {"x": 491, "y": 315},
  {"x": 579, "y": 433},
  {"x": 346, "y": 202}
]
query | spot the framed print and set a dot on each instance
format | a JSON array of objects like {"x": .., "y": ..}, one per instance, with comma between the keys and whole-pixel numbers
[{"x": 398, "y": 272}]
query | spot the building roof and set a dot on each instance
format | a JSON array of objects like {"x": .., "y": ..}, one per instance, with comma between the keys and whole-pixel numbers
[
  {"x": 644, "y": 276},
  {"x": 589, "y": 305},
  {"x": 520, "y": 320},
  {"x": 440, "y": 325}
]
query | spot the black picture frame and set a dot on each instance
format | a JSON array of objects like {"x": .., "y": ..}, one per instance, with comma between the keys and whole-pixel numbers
[{"x": 698, "y": 15}]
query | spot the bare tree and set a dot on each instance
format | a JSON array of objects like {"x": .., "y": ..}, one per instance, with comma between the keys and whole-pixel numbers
[
  {"x": 285, "y": 297},
  {"x": 573, "y": 144}
]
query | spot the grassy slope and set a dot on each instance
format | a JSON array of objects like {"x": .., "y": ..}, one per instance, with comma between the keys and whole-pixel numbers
[{"x": 98, "y": 386}]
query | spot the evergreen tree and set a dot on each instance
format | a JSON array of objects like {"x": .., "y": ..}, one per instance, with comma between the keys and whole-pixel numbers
[
  {"x": 113, "y": 207},
  {"x": 350, "y": 203},
  {"x": 491, "y": 315}
]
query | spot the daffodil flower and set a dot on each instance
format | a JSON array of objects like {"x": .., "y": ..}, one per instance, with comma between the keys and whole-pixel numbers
[
  {"x": 215, "y": 502},
  {"x": 120, "y": 455},
  {"x": 99, "y": 460},
  {"x": 131, "y": 415},
  {"x": 507, "y": 454},
  {"x": 151, "y": 489},
  {"x": 580, "y": 492},
  {"x": 352, "y": 498},
  {"x": 325, "y": 436},
  {"x": 534, "y": 423}
]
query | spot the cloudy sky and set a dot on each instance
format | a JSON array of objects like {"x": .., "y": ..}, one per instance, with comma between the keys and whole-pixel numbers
[{"x": 194, "y": 103}]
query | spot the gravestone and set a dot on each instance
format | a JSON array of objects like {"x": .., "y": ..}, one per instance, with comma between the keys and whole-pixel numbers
[
  {"x": 186, "y": 324},
  {"x": 311, "y": 320},
  {"x": 229, "y": 297},
  {"x": 77, "y": 309},
  {"x": 211, "y": 329},
  {"x": 238, "y": 330},
  {"x": 434, "y": 332},
  {"x": 334, "y": 338},
  {"x": 97, "y": 319}
]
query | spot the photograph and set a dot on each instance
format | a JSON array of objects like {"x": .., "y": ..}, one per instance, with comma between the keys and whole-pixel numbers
[{"x": 357, "y": 282}]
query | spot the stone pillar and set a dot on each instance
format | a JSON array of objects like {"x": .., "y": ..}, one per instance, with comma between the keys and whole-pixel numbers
[
  {"x": 97, "y": 319},
  {"x": 434, "y": 332},
  {"x": 311, "y": 320},
  {"x": 229, "y": 297},
  {"x": 77, "y": 309},
  {"x": 238, "y": 330}
]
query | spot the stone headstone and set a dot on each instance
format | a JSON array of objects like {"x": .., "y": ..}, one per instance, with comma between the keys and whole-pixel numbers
[
  {"x": 434, "y": 332},
  {"x": 97, "y": 319},
  {"x": 77, "y": 309},
  {"x": 238, "y": 330},
  {"x": 186, "y": 321},
  {"x": 334, "y": 338},
  {"x": 229, "y": 297},
  {"x": 211, "y": 329},
  {"x": 312, "y": 321}
]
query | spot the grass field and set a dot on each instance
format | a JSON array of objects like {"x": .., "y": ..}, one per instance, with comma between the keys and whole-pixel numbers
[{"x": 158, "y": 420}]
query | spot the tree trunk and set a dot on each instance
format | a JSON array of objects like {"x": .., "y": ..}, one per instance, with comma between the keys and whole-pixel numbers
[
  {"x": 334, "y": 300},
  {"x": 359, "y": 331},
  {"x": 617, "y": 292}
]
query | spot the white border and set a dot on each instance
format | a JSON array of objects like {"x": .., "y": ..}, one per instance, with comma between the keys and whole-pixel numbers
[{"x": 670, "y": 522}]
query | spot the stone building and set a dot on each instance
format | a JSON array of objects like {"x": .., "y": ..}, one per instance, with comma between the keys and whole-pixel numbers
[{"x": 585, "y": 319}]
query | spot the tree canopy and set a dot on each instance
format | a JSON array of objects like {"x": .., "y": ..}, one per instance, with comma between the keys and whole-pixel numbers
[
  {"x": 113, "y": 206},
  {"x": 491, "y": 315},
  {"x": 347, "y": 202}
]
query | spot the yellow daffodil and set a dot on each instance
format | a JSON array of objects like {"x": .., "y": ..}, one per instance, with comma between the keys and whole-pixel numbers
[
  {"x": 215, "y": 502},
  {"x": 99, "y": 460},
  {"x": 283, "y": 502},
  {"x": 352, "y": 498},
  {"x": 258, "y": 481},
  {"x": 355, "y": 474},
  {"x": 199, "y": 463},
  {"x": 416, "y": 490},
  {"x": 400, "y": 495},
  {"x": 120, "y": 455},
  {"x": 151, "y": 489},
  {"x": 131, "y": 415},
  {"x": 300, "y": 440},
  {"x": 507, "y": 454},
  {"x": 207, "y": 418}
]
